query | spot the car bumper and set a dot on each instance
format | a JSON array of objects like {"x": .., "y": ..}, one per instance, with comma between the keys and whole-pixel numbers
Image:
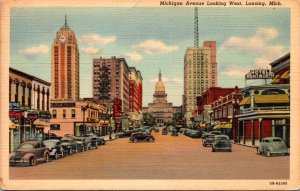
[{"x": 18, "y": 161}]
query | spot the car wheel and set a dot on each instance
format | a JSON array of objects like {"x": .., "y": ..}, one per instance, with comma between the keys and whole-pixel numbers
[
  {"x": 96, "y": 146},
  {"x": 213, "y": 150},
  {"x": 46, "y": 158},
  {"x": 135, "y": 140},
  {"x": 62, "y": 153},
  {"x": 150, "y": 140},
  {"x": 268, "y": 153},
  {"x": 204, "y": 145},
  {"x": 258, "y": 151},
  {"x": 32, "y": 161},
  {"x": 76, "y": 150},
  {"x": 70, "y": 151},
  {"x": 56, "y": 155}
]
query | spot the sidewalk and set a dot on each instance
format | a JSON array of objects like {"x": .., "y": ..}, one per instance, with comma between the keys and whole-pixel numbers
[{"x": 106, "y": 137}]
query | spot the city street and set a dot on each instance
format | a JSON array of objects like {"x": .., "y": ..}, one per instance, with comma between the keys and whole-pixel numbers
[{"x": 167, "y": 158}]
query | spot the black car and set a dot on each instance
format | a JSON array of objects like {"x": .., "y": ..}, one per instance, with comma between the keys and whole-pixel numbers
[
  {"x": 81, "y": 144},
  {"x": 69, "y": 145},
  {"x": 55, "y": 148},
  {"x": 208, "y": 140},
  {"x": 140, "y": 136},
  {"x": 164, "y": 131},
  {"x": 174, "y": 132},
  {"x": 49, "y": 136}
]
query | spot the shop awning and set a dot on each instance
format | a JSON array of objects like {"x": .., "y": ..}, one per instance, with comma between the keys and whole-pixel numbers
[
  {"x": 245, "y": 101},
  {"x": 285, "y": 75},
  {"x": 277, "y": 98},
  {"x": 12, "y": 125},
  {"x": 227, "y": 126},
  {"x": 202, "y": 125},
  {"x": 276, "y": 79},
  {"x": 219, "y": 126},
  {"x": 39, "y": 123}
]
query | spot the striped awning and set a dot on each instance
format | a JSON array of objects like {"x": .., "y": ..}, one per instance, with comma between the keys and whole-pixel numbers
[
  {"x": 202, "y": 125},
  {"x": 12, "y": 125},
  {"x": 219, "y": 126},
  {"x": 276, "y": 79},
  {"x": 245, "y": 101},
  {"x": 276, "y": 98},
  {"x": 285, "y": 75}
]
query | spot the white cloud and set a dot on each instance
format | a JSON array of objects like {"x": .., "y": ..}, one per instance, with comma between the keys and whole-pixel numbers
[
  {"x": 93, "y": 38},
  {"x": 134, "y": 56},
  {"x": 36, "y": 50},
  {"x": 235, "y": 71},
  {"x": 258, "y": 46},
  {"x": 91, "y": 50},
  {"x": 155, "y": 46}
]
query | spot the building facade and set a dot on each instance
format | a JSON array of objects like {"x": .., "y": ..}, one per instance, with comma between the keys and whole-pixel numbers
[
  {"x": 111, "y": 80},
  {"x": 65, "y": 65},
  {"x": 161, "y": 109},
  {"x": 200, "y": 73},
  {"x": 29, "y": 107},
  {"x": 281, "y": 70}
]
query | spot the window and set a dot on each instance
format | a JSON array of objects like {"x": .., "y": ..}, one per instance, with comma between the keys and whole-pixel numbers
[
  {"x": 16, "y": 91},
  {"x": 64, "y": 113},
  {"x": 54, "y": 113},
  {"x": 73, "y": 113},
  {"x": 23, "y": 94}
]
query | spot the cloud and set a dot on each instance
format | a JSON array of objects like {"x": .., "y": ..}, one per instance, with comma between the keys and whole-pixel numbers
[
  {"x": 155, "y": 46},
  {"x": 96, "y": 39},
  {"x": 235, "y": 71},
  {"x": 258, "y": 46},
  {"x": 134, "y": 56},
  {"x": 36, "y": 50},
  {"x": 91, "y": 50}
]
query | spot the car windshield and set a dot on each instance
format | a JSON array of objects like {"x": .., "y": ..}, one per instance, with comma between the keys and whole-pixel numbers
[
  {"x": 277, "y": 140},
  {"x": 222, "y": 138},
  {"x": 65, "y": 141},
  {"x": 49, "y": 143},
  {"x": 26, "y": 146}
]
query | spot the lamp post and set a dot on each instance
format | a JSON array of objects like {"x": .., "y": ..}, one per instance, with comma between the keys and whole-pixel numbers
[
  {"x": 109, "y": 114},
  {"x": 83, "y": 109}
]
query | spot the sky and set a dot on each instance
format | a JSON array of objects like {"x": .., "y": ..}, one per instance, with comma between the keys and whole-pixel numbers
[{"x": 151, "y": 39}]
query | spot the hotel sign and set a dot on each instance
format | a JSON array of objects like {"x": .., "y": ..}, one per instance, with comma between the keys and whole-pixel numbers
[
  {"x": 259, "y": 74},
  {"x": 68, "y": 104}
]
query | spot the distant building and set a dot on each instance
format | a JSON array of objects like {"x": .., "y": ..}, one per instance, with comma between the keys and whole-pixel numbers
[
  {"x": 161, "y": 109},
  {"x": 200, "y": 73}
]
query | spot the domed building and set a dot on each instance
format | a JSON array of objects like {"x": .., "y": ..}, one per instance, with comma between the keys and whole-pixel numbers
[{"x": 161, "y": 109}]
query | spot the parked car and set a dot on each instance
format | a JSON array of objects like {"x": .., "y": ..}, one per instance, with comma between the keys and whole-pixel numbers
[
  {"x": 49, "y": 136},
  {"x": 140, "y": 136},
  {"x": 272, "y": 145},
  {"x": 195, "y": 134},
  {"x": 208, "y": 140},
  {"x": 212, "y": 133},
  {"x": 55, "y": 148},
  {"x": 174, "y": 132},
  {"x": 30, "y": 152},
  {"x": 81, "y": 144},
  {"x": 164, "y": 131},
  {"x": 69, "y": 145},
  {"x": 181, "y": 130},
  {"x": 221, "y": 143},
  {"x": 156, "y": 129},
  {"x": 99, "y": 140}
]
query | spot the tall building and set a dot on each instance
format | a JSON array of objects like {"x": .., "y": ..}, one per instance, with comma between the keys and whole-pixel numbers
[
  {"x": 200, "y": 73},
  {"x": 111, "y": 80},
  {"x": 65, "y": 65},
  {"x": 161, "y": 109}
]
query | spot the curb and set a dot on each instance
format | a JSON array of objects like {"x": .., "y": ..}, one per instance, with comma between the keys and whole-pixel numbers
[{"x": 250, "y": 146}]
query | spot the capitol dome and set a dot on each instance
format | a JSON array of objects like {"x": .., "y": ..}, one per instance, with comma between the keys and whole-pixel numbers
[{"x": 159, "y": 87}]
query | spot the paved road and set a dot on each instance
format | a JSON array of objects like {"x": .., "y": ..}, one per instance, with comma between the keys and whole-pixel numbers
[{"x": 167, "y": 158}]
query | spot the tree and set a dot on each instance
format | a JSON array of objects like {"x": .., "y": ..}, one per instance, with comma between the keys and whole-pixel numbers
[
  {"x": 177, "y": 117},
  {"x": 148, "y": 119}
]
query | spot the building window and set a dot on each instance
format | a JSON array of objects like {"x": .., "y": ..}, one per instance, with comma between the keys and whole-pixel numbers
[
  {"x": 43, "y": 99},
  {"x": 16, "y": 91},
  {"x": 73, "y": 113},
  {"x": 38, "y": 98},
  {"x": 64, "y": 113},
  {"x": 54, "y": 114},
  {"x": 23, "y": 94},
  {"x": 10, "y": 90},
  {"x": 29, "y": 95}
]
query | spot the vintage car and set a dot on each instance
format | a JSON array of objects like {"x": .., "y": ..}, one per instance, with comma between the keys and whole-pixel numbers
[
  {"x": 30, "y": 152},
  {"x": 81, "y": 144},
  {"x": 164, "y": 131},
  {"x": 156, "y": 129},
  {"x": 55, "y": 148},
  {"x": 69, "y": 145},
  {"x": 208, "y": 140},
  {"x": 204, "y": 134},
  {"x": 221, "y": 143},
  {"x": 271, "y": 146},
  {"x": 140, "y": 136},
  {"x": 99, "y": 140},
  {"x": 49, "y": 136},
  {"x": 174, "y": 132}
]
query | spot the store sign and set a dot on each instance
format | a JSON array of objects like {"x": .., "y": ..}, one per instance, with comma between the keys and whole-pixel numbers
[
  {"x": 44, "y": 115},
  {"x": 259, "y": 74},
  {"x": 15, "y": 114},
  {"x": 62, "y": 104},
  {"x": 32, "y": 116},
  {"x": 14, "y": 106},
  {"x": 54, "y": 126}
]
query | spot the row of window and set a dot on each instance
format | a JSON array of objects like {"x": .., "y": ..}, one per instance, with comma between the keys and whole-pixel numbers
[{"x": 64, "y": 114}]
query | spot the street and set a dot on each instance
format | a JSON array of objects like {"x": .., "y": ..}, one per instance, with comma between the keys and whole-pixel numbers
[{"x": 166, "y": 158}]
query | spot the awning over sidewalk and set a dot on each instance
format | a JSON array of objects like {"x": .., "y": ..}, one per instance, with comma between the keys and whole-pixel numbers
[
  {"x": 277, "y": 98},
  {"x": 227, "y": 126},
  {"x": 285, "y": 75},
  {"x": 276, "y": 79},
  {"x": 245, "y": 101}
]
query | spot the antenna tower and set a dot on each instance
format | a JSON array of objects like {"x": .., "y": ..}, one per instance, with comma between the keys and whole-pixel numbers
[{"x": 196, "y": 34}]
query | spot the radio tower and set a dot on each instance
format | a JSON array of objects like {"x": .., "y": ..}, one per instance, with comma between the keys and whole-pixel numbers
[{"x": 196, "y": 34}]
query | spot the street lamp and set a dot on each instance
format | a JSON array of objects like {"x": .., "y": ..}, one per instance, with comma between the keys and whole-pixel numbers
[
  {"x": 109, "y": 114},
  {"x": 83, "y": 109}
]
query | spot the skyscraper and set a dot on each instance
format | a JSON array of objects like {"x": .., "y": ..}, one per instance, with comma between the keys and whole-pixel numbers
[
  {"x": 200, "y": 73},
  {"x": 65, "y": 65}
]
